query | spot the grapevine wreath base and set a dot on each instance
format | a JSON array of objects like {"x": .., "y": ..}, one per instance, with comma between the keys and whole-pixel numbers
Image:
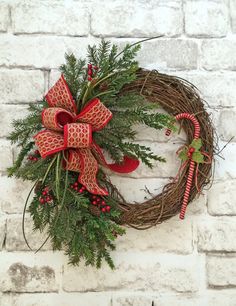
[
  {"x": 90, "y": 110},
  {"x": 176, "y": 96}
]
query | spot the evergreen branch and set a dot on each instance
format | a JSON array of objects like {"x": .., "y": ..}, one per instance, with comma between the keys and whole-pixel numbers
[
  {"x": 75, "y": 73},
  {"x": 25, "y": 128},
  {"x": 18, "y": 162},
  {"x": 141, "y": 152}
]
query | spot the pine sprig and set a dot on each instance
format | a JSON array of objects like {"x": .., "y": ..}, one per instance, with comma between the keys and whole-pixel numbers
[
  {"x": 25, "y": 128},
  {"x": 74, "y": 72},
  {"x": 18, "y": 162},
  {"x": 114, "y": 71},
  {"x": 142, "y": 115},
  {"x": 141, "y": 152}
]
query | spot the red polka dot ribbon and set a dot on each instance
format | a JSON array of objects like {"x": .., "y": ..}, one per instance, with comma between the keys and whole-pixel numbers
[{"x": 72, "y": 132}]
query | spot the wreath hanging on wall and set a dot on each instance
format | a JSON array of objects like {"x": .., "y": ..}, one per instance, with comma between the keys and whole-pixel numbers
[{"x": 91, "y": 110}]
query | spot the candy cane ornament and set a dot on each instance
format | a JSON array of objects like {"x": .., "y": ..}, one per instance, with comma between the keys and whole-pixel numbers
[{"x": 192, "y": 162}]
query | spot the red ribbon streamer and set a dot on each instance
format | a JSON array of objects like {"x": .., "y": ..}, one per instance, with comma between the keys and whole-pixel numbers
[{"x": 67, "y": 130}]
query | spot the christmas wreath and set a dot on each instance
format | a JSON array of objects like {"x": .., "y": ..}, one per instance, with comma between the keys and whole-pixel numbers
[{"x": 89, "y": 115}]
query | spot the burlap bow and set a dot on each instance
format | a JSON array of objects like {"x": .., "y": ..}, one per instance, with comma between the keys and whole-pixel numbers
[{"x": 67, "y": 130}]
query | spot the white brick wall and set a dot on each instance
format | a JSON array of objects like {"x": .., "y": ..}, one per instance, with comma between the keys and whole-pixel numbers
[{"x": 182, "y": 263}]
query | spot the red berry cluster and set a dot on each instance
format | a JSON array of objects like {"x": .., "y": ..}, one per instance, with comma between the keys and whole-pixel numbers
[
  {"x": 115, "y": 234},
  {"x": 35, "y": 156},
  {"x": 100, "y": 203},
  {"x": 45, "y": 196},
  {"x": 77, "y": 187},
  {"x": 94, "y": 199},
  {"x": 191, "y": 150},
  {"x": 91, "y": 70}
]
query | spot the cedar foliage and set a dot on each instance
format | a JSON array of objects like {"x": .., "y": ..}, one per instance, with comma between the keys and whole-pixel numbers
[{"x": 68, "y": 220}]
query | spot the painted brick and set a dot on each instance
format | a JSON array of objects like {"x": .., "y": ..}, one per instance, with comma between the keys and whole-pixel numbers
[
  {"x": 180, "y": 300},
  {"x": 221, "y": 271},
  {"x": 28, "y": 273},
  {"x": 28, "y": 85},
  {"x": 58, "y": 299},
  {"x": 224, "y": 168},
  {"x": 15, "y": 240},
  {"x": 226, "y": 129},
  {"x": 6, "y": 115},
  {"x": 173, "y": 54},
  {"x": 143, "y": 20},
  {"x": 2, "y": 231},
  {"x": 4, "y": 17},
  {"x": 42, "y": 51},
  {"x": 218, "y": 54},
  {"x": 6, "y": 155},
  {"x": 218, "y": 89},
  {"x": 217, "y": 234},
  {"x": 233, "y": 15},
  {"x": 53, "y": 18},
  {"x": 130, "y": 300},
  {"x": 221, "y": 198},
  {"x": 221, "y": 297},
  {"x": 206, "y": 19},
  {"x": 13, "y": 193},
  {"x": 172, "y": 236},
  {"x": 137, "y": 272}
]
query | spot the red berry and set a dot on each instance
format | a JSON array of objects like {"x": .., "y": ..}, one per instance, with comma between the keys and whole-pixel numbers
[
  {"x": 76, "y": 188},
  {"x": 89, "y": 79},
  {"x": 41, "y": 200},
  {"x": 108, "y": 208},
  {"x": 48, "y": 199},
  {"x": 90, "y": 66},
  {"x": 191, "y": 150},
  {"x": 75, "y": 184},
  {"x": 94, "y": 197},
  {"x": 98, "y": 200},
  {"x": 94, "y": 203},
  {"x": 103, "y": 209},
  {"x": 44, "y": 193},
  {"x": 90, "y": 72},
  {"x": 103, "y": 203},
  {"x": 36, "y": 152},
  {"x": 81, "y": 190}
]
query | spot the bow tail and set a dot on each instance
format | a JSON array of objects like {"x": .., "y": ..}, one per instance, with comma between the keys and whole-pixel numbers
[
  {"x": 82, "y": 161},
  {"x": 128, "y": 164}
]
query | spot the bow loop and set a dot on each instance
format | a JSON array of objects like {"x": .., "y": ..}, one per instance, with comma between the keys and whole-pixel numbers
[
  {"x": 49, "y": 142},
  {"x": 60, "y": 96},
  {"x": 54, "y": 118},
  {"x": 96, "y": 114}
]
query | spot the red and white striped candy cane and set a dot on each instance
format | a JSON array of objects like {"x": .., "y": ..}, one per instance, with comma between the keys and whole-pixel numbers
[{"x": 192, "y": 163}]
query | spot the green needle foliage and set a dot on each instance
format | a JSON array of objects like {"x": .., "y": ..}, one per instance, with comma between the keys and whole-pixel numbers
[{"x": 69, "y": 218}]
